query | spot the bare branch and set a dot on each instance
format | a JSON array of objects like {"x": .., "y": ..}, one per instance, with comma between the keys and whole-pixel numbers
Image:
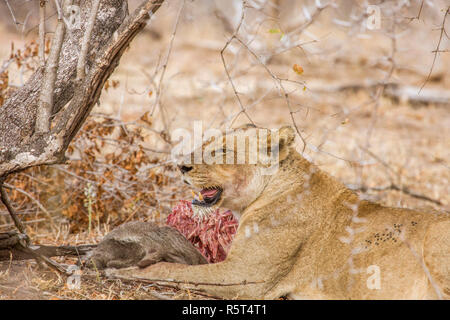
[
  {"x": 5, "y": 199},
  {"x": 81, "y": 66},
  {"x": 16, "y": 23},
  {"x": 283, "y": 90},
  {"x": 52, "y": 223},
  {"x": 383, "y": 85},
  {"x": 10, "y": 240},
  {"x": 417, "y": 17},
  {"x": 243, "y": 110},
  {"x": 42, "y": 32},
  {"x": 404, "y": 190},
  {"x": 164, "y": 67},
  {"x": 48, "y": 85},
  {"x": 148, "y": 280},
  {"x": 298, "y": 30},
  {"x": 52, "y": 264},
  {"x": 437, "y": 50},
  {"x": 58, "y": 9}
]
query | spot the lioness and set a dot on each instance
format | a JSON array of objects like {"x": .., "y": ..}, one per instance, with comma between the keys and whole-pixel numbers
[{"x": 303, "y": 235}]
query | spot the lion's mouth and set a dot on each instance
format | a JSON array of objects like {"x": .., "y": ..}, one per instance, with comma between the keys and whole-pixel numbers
[{"x": 208, "y": 197}]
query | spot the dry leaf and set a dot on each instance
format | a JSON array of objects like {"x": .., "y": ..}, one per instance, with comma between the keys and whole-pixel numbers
[{"x": 298, "y": 69}]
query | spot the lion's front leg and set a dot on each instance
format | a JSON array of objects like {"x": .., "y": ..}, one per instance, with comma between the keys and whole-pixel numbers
[
  {"x": 253, "y": 267},
  {"x": 222, "y": 279}
]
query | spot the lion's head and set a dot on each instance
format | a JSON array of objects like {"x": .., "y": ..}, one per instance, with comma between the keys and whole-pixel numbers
[{"x": 232, "y": 169}]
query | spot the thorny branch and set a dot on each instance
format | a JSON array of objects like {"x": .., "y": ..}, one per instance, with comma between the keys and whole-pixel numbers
[
  {"x": 442, "y": 30},
  {"x": 234, "y": 36},
  {"x": 384, "y": 83},
  {"x": 164, "y": 68},
  {"x": 283, "y": 90}
]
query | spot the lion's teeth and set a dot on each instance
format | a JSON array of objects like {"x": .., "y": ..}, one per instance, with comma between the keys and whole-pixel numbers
[{"x": 200, "y": 197}]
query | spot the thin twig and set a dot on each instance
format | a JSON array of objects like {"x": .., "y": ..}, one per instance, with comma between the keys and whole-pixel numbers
[
  {"x": 58, "y": 9},
  {"x": 281, "y": 86},
  {"x": 7, "y": 225},
  {"x": 243, "y": 110},
  {"x": 194, "y": 283},
  {"x": 24, "y": 24},
  {"x": 417, "y": 17},
  {"x": 437, "y": 49},
  {"x": 133, "y": 281},
  {"x": 16, "y": 23},
  {"x": 383, "y": 85},
  {"x": 49, "y": 216},
  {"x": 5, "y": 199},
  {"x": 297, "y": 31},
  {"x": 420, "y": 10},
  {"x": 42, "y": 33},
  {"x": 52, "y": 264},
  {"x": 404, "y": 190},
  {"x": 384, "y": 163},
  {"x": 164, "y": 68}
]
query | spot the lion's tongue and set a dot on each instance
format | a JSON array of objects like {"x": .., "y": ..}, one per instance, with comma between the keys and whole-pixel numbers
[{"x": 208, "y": 193}]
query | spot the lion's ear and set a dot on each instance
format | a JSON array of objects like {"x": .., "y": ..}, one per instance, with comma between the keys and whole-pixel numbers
[
  {"x": 277, "y": 144},
  {"x": 286, "y": 135}
]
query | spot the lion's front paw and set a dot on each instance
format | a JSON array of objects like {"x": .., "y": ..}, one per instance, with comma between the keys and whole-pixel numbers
[
  {"x": 156, "y": 272},
  {"x": 121, "y": 273}
]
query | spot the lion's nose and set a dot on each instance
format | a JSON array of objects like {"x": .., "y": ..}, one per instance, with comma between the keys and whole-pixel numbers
[{"x": 185, "y": 169}]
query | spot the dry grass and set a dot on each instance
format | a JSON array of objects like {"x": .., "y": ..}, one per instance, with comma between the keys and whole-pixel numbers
[{"x": 409, "y": 145}]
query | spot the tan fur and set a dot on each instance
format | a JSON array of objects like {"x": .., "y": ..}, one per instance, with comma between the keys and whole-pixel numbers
[{"x": 304, "y": 235}]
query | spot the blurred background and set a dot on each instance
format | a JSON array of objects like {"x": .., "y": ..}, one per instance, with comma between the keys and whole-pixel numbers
[{"x": 366, "y": 83}]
